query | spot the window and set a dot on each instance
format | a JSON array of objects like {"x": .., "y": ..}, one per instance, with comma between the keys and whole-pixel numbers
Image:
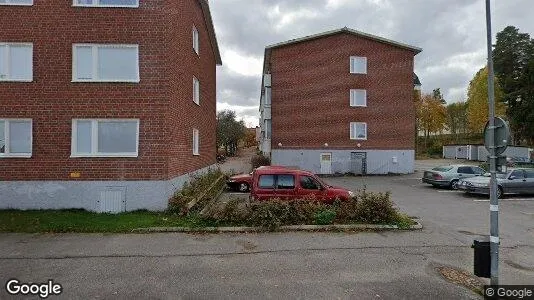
[
  {"x": 358, "y": 131},
  {"x": 308, "y": 183},
  {"x": 358, "y": 65},
  {"x": 285, "y": 182},
  {"x": 106, "y": 3},
  {"x": 358, "y": 98},
  {"x": 105, "y": 63},
  {"x": 15, "y": 138},
  {"x": 196, "y": 43},
  {"x": 105, "y": 138},
  {"x": 478, "y": 170},
  {"x": 196, "y": 90},
  {"x": 16, "y": 2},
  {"x": 268, "y": 129},
  {"x": 529, "y": 173},
  {"x": 267, "y": 96},
  {"x": 16, "y": 61},
  {"x": 517, "y": 174},
  {"x": 266, "y": 182},
  {"x": 465, "y": 170},
  {"x": 196, "y": 142}
]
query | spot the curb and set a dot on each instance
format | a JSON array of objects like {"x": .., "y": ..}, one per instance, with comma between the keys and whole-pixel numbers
[{"x": 417, "y": 226}]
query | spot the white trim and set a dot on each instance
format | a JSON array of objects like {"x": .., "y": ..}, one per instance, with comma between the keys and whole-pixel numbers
[
  {"x": 94, "y": 139},
  {"x": 353, "y": 59},
  {"x": 17, "y": 4},
  {"x": 94, "y": 48},
  {"x": 196, "y": 40},
  {"x": 7, "y": 62},
  {"x": 196, "y": 142},
  {"x": 196, "y": 91},
  {"x": 95, "y": 4},
  {"x": 494, "y": 207},
  {"x": 6, "y": 153},
  {"x": 352, "y": 131},
  {"x": 494, "y": 239},
  {"x": 352, "y": 96}
]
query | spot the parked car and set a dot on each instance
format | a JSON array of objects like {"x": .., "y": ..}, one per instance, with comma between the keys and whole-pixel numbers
[
  {"x": 289, "y": 184},
  {"x": 449, "y": 176},
  {"x": 514, "y": 181},
  {"x": 516, "y": 161},
  {"x": 243, "y": 182}
]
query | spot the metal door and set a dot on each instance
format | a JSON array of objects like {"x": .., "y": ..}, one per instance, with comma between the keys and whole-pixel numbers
[
  {"x": 326, "y": 163},
  {"x": 358, "y": 163}
]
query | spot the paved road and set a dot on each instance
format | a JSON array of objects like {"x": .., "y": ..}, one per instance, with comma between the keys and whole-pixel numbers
[{"x": 383, "y": 265}]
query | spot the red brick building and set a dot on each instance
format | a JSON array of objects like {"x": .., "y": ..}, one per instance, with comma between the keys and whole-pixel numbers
[
  {"x": 106, "y": 105},
  {"x": 338, "y": 102}
]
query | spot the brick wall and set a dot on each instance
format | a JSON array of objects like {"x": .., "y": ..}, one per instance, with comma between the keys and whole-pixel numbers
[
  {"x": 311, "y": 82},
  {"x": 52, "y": 101}
]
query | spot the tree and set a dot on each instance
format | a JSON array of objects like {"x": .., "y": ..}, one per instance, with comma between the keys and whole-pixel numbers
[
  {"x": 512, "y": 55},
  {"x": 431, "y": 115},
  {"x": 436, "y": 94},
  {"x": 457, "y": 119},
  {"x": 477, "y": 101},
  {"x": 229, "y": 131}
]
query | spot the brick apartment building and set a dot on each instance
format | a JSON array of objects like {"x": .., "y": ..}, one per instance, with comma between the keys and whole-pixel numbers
[
  {"x": 339, "y": 101},
  {"x": 106, "y": 105}
]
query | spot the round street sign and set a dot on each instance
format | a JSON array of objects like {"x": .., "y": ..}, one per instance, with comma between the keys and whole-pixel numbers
[{"x": 502, "y": 136}]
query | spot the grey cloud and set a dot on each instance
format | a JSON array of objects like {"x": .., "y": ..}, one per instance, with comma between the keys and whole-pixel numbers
[{"x": 445, "y": 29}]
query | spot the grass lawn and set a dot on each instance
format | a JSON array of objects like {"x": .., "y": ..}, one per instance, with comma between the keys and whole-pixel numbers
[{"x": 83, "y": 221}]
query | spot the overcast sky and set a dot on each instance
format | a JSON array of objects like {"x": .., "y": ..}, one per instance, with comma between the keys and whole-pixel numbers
[{"x": 452, "y": 34}]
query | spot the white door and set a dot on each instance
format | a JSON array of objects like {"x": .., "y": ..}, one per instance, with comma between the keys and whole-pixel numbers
[{"x": 326, "y": 163}]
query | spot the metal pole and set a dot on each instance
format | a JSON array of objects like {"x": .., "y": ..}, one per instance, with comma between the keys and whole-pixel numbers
[{"x": 494, "y": 201}]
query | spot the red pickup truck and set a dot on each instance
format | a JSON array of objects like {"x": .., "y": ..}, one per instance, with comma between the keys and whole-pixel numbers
[{"x": 287, "y": 184}]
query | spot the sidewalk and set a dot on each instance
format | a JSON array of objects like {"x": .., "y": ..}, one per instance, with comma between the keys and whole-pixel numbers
[{"x": 239, "y": 164}]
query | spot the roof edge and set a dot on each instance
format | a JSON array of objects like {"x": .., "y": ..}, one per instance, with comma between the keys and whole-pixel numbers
[
  {"x": 211, "y": 30},
  {"x": 345, "y": 30}
]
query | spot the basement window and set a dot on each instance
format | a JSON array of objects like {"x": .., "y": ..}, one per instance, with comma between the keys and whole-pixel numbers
[
  {"x": 106, "y": 3},
  {"x": 16, "y": 138},
  {"x": 105, "y": 138}
]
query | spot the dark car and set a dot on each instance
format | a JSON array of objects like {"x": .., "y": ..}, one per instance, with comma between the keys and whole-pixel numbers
[{"x": 514, "y": 181}]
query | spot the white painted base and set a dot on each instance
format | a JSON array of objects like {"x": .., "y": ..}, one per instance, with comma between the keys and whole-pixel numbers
[{"x": 150, "y": 195}]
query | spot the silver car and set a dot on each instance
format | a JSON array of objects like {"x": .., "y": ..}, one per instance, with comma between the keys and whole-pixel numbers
[
  {"x": 449, "y": 176},
  {"x": 514, "y": 181}
]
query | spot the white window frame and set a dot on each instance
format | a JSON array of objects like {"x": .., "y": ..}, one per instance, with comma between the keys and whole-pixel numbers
[
  {"x": 7, "y": 60},
  {"x": 94, "y": 48},
  {"x": 353, "y": 132},
  {"x": 196, "y": 142},
  {"x": 353, "y": 93},
  {"x": 96, "y": 4},
  {"x": 17, "y": 4},
  {"x": 196, "y": 91},
  {"x": 268, "y": 96},
  {"x": 196, "y": 40},
  {"x": 353, "y": 59},
  {"x": 94, "y": 139},
  {"x": 7, "y": 154}
]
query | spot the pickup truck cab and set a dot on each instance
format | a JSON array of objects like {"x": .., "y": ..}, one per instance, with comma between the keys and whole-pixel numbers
[{"x": 288, "y": 184}]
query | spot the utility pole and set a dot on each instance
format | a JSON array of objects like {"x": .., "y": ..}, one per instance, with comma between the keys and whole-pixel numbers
[{"x": 494, "y": 201}]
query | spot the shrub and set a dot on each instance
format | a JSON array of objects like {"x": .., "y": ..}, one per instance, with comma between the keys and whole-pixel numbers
[
  {"x": 346, "y": 210},
  {"x": 325, "y": 217},
  {"x": 195, "y": 188},
  {"x": 260, "y": 160},
  {"x": 375, "y": 208}
]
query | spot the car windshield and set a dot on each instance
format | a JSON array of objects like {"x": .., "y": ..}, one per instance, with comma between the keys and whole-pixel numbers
[{"x": 442, "y": 169}]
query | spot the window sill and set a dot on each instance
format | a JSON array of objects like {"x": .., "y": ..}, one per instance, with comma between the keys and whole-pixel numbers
[
  {"x": 116, "y": 155},
  {"x": 359, "y": 139},
  {"x": 16, "y": 80},
  {"x": 105, "y": 81},
  {"x": 16, "y": 4},
  {"x": 15, "y": 156},
  {"x": 196, "y": 154},
  {"x": 105, "y": 6},
  {"x": 358, "y": 106},
  {"x": 358, "y": 73}
]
